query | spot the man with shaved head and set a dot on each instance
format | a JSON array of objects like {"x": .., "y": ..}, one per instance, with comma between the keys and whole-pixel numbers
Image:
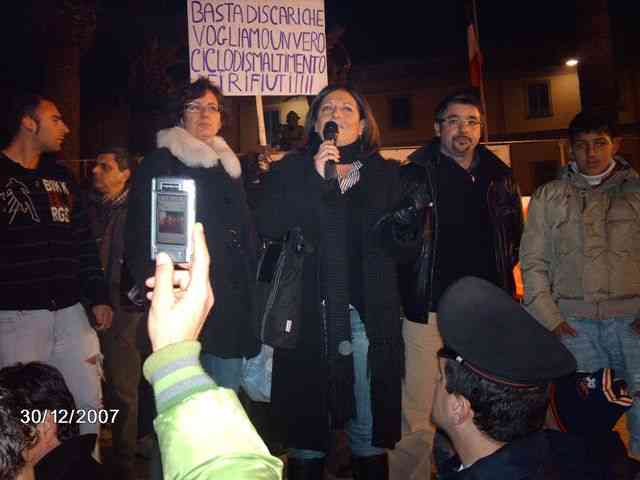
[{"x": 49, "y": 260}]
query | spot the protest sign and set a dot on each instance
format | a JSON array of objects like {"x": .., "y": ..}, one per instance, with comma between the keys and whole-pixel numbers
[{"x": 259, "y": 47}]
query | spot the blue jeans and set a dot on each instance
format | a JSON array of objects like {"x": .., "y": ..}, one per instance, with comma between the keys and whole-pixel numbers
[
  {"x": 610, "y": 343},
  {"x": 360, "y": 428},
  {"x": 226, "y": 372}
]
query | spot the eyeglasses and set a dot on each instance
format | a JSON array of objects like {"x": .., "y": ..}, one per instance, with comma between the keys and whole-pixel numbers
[
  {"x": 457, "y": 122},
  {"x": 597, "y": 145},
  {"x": 198, "y": 108}
]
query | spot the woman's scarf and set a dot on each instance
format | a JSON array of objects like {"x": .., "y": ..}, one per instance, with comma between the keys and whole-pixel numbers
[
  {"x": 196, "y": 153},
  {"x": 335, "y": 284}
]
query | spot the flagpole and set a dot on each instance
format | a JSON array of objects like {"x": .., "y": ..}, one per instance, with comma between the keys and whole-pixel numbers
[{"x": 485, "y": 130}]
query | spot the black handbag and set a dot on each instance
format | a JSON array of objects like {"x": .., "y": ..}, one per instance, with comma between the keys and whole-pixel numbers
[{"x": 279, "y": 289}]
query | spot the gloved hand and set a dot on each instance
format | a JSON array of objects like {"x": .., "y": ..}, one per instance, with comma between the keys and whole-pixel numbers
[{"x": 411, "y": 205}]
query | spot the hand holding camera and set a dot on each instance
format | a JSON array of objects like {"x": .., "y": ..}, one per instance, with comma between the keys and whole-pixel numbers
[{"x": 182, "y": 299}]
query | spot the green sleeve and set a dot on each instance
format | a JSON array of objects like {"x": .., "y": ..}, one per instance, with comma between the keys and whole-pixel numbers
[{"x": 203, "y": 430}]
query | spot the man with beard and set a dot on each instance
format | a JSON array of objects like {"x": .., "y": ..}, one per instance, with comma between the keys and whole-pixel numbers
[
  {"x": 467, "y": 209},
  {"x": 49, "y": 260}
]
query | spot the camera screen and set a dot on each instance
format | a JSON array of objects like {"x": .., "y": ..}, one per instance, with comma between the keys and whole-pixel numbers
[{"x": 171, "y": 211}]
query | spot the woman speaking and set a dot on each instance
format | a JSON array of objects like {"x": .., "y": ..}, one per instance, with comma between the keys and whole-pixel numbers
[{"x": 346, "y": 368}]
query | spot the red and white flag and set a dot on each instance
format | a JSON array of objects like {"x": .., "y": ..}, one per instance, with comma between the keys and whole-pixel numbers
[{"x": 475, "y": 57}]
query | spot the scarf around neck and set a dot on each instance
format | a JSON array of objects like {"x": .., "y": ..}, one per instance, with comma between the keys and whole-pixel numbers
[
  {"x": 335, "y": 283},
  {"x": 196, "y": 153}
]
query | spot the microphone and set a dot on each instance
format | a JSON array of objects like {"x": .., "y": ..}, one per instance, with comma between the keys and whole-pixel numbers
[{"x": 330, "y": 132}]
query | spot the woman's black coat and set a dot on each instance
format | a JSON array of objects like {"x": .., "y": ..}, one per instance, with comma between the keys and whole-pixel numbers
[
  {"x": 221, "y": 207},
  {"x": 293, "y": 195}
]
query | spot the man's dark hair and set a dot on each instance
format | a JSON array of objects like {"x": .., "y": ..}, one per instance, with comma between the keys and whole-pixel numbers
[
  {"x": 371, "y": 132},
  {"x": 503, "y": 412},
  {"x": 123, "y": 157},
  {"x": 465, "y": 97},
  {"x": 45, "y": 389},
  {"x": 19, "y": 104},
  {"x": 15, "y": 434},
  {"x": 592, "y": 122},
  {"x": 193, "y": 91}
]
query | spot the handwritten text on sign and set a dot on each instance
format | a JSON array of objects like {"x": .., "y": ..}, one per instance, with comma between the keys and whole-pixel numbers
[{"x": 251, "y": 47}]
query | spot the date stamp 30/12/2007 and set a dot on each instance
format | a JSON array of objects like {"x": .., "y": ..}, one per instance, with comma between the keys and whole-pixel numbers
[{"x": 64, "y": 416}]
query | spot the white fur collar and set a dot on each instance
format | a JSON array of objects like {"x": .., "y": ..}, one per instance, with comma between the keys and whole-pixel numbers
[{"x": 196, "y": 153}]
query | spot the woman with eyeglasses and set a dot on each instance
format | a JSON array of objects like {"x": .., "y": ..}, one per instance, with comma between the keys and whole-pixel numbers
[
  {"x": 193, "y": 148},
  {"x": 346, "y": 369}
]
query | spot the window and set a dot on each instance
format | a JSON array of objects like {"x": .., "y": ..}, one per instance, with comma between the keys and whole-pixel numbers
[
  {"x": 272, "y": 125},
  {"x": 539, "y": 100},
  {"x": 401, "y": 114}
]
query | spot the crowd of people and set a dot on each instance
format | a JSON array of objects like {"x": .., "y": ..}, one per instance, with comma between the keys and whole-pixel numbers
[{"x": 410, "y": 339}]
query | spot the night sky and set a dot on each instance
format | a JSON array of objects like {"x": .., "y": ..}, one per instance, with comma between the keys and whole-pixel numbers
[
  {"x": 513, "y": 34},
  {"x": 437, "y": 29}
]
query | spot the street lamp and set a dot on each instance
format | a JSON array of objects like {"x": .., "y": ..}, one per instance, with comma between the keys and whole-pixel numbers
[{"x": 572, "y": 62}]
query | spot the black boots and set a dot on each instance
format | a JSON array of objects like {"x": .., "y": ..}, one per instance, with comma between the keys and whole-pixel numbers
[
  {"x": 298, "y": 469},
  {"x": 371, "y": 468}
]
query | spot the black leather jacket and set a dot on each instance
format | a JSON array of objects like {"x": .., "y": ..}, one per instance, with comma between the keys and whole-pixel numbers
[{"x": 505, "y": 209}]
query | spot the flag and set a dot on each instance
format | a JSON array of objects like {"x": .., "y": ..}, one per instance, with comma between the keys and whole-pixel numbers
[{"x": 475, "y": 57}]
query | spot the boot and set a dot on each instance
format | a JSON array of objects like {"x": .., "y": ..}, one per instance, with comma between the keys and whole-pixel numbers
[
  {"x": 299, "y": 469},
  {"x": 375, "y": 467}
]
